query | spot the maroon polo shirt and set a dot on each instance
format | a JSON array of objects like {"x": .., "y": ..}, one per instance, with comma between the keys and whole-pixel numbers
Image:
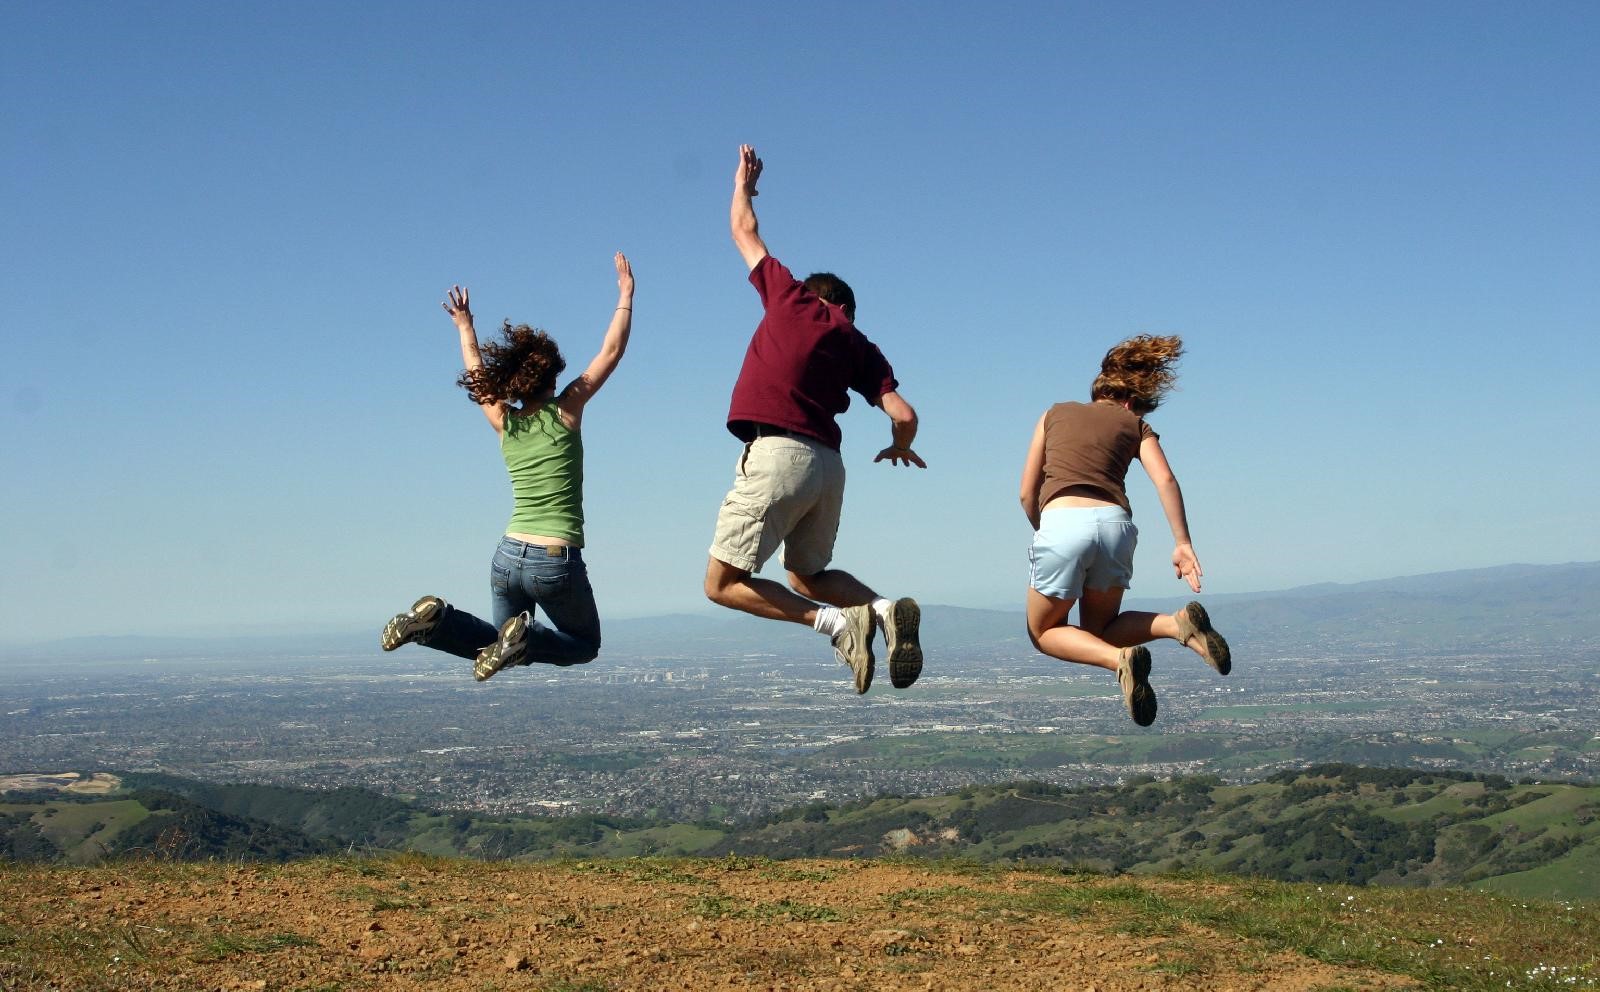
[{"x": 803, "y": 358}]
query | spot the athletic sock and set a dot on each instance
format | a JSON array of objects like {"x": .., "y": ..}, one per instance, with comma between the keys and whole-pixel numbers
[
  {"x": 830, "y": 620},
  {"x": 882, "y": 609}
]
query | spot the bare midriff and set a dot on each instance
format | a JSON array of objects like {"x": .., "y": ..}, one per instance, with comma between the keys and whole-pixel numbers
[
  {"x": 538, "y": 539},
  {"x": 1080, "y": 497}
]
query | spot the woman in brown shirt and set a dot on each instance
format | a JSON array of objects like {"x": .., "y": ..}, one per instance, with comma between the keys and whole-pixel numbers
[{"x": 1074, "y": 496}]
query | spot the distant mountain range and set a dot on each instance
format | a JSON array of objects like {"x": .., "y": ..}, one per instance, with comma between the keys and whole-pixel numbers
[{"x": 1474, "y": 609}]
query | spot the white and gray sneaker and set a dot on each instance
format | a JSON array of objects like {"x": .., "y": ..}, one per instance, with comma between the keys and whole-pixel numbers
[
  {"x": 853, "y": 645},
  {"x": 505, "y": 651},
  {"x": 415, "y": 624},
  {"x": 901, "y": 644}
]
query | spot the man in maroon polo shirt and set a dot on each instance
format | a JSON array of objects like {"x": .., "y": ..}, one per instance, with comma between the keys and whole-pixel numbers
[{"x": 788, "y": 487}]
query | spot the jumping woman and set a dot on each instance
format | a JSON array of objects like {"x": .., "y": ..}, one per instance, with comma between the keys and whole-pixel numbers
[
  {"x": 539, "y": 562},
  {"x": 1073, "y": 494}
]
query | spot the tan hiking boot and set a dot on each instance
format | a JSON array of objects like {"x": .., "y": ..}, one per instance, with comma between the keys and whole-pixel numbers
[
  {"x": 1194, "y": 625},
  {"x": 1133, "y": 674},
  {"x": 413, "y": 625},
  {"x": 853, "y": 645},
  {"x": 901, "y": 644},
  {"x": 507, "y": 650}
]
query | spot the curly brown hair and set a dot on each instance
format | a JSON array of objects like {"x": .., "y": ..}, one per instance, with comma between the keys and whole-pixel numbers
[
  {"x": 1140, "y": 371},
  {"x": 517, "y": 369}
]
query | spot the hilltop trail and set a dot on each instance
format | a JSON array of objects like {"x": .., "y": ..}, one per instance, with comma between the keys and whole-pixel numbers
[{"x": 720, "y": 925}]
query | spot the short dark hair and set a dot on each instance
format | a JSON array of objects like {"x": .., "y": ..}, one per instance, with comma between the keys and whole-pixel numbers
[{"x": 833, "y": 289}]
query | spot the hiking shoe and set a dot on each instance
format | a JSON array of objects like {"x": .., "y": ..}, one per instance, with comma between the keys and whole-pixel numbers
[
  {"x": 900, "y": 641},
  {"x": 413, "y": 625},
  {"x": 1133, "y": 674},
  {"x": 1193, "y": 622},
  {"x": 505, "y": 651},
  {"x": 853, "y": 645}
]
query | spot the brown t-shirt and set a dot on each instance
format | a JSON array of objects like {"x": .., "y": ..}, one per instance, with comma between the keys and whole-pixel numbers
[{"x": 1090, "y": 444}]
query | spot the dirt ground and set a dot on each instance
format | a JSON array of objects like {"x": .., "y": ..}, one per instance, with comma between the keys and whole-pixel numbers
[{"x": 577, "y": 927}]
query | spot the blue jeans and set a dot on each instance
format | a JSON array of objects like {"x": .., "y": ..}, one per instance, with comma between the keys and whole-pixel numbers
[{"x": 521, "y": 577}]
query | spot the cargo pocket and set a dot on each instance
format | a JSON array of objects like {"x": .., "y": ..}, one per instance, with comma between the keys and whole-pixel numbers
[{"x": 740, "y": 524}]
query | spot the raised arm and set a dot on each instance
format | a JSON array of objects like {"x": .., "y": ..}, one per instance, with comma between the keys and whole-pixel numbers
[
  {"x": 1184, "y": 562},
  {"x": 1033, "y": 475},
  {"x": 582, "y": 389},
  {"x": 904, "y": 430},
  {"x": 742, "y": 215},
  {"x": 457, "y": 306}
]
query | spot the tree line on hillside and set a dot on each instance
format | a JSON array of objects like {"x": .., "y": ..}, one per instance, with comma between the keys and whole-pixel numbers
[{"x": 1327, "y": 823}]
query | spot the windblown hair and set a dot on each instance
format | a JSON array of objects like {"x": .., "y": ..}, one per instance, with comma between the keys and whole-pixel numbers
[
  {"x": 835, "y": 290},
  {"x": 519, "y": 368},
  {"x": 1140, "y": 370}
]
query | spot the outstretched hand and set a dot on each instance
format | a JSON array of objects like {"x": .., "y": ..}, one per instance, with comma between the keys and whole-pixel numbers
[
  {"x": 900, "y": 456},
  {"x": 748, "y": 170},
  {"x": 457, "y": 306},
  {"x": 624, "y": 274},
  {"x": 1187, "y": 566}
]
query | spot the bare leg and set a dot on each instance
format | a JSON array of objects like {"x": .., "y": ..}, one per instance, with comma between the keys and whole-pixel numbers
[
  {"x": 1130, "y": 628},
  {"x": 1051, "y": 633},
  {"x": 1126, "y": 630},
  {"x": 832, "y": 586},
  {"x": 737, "y": 589}
]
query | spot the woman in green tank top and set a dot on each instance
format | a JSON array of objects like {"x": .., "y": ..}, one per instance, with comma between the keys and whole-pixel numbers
[{"x": 539, "y": 562}]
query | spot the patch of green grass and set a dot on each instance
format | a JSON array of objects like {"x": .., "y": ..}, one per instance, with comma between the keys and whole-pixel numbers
[
  {"x": 225, "y": 945},
  {"x": 60, "y": 951},
  {"x": 1555, "y": 803},
  {"x": 1178, "y": 967},
  {"x": 727, "y": 908},
  {"x": 925, "y": 897},
  {"x": 360, "y": 893},
  {"x": 713, "y": 907},
  {"x": 672, "y": 870},
  {"x": 789, "y": 909},
  {"x": 780, "y": 872},
  {"x": 1576, "y": 875},
  {"x": 1125, "y": 907},
  {"x": 365, "y": 867},
  {"x": 1448, "y": 939},
  {"x": 965, "y": 867},
  {"x": 379, "y": 900}
]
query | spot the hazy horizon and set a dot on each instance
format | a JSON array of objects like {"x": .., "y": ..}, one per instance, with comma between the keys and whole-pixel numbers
[{"x": 711, "y": 612}]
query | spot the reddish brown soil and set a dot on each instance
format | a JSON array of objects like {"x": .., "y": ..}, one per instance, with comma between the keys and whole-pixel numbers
[{"x": 409, "y": 923}]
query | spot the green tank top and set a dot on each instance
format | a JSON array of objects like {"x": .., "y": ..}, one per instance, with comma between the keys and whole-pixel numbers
[{"x": 545, "y": 459}]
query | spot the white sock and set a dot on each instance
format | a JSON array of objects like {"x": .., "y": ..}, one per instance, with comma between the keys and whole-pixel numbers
[
  {"x": 882, "y": 608},
  {"x": 830, "y": 620}
]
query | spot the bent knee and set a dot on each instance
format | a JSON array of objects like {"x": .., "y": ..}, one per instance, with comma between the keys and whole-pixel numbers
[
  {"x": 803, "y": 584},
  {"x": 721, "y": 577},
  {"x": 719, "y": 592}
]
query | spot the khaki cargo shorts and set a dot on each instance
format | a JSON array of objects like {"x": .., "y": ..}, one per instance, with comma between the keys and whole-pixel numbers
[{"x": 788, "y": 491}]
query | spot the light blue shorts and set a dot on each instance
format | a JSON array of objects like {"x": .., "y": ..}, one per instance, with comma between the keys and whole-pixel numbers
[{"x": 1079, "y": 547}]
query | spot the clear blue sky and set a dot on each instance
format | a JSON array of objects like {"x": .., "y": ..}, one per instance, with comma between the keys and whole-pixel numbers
[{"x": 227, "y": 390}]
